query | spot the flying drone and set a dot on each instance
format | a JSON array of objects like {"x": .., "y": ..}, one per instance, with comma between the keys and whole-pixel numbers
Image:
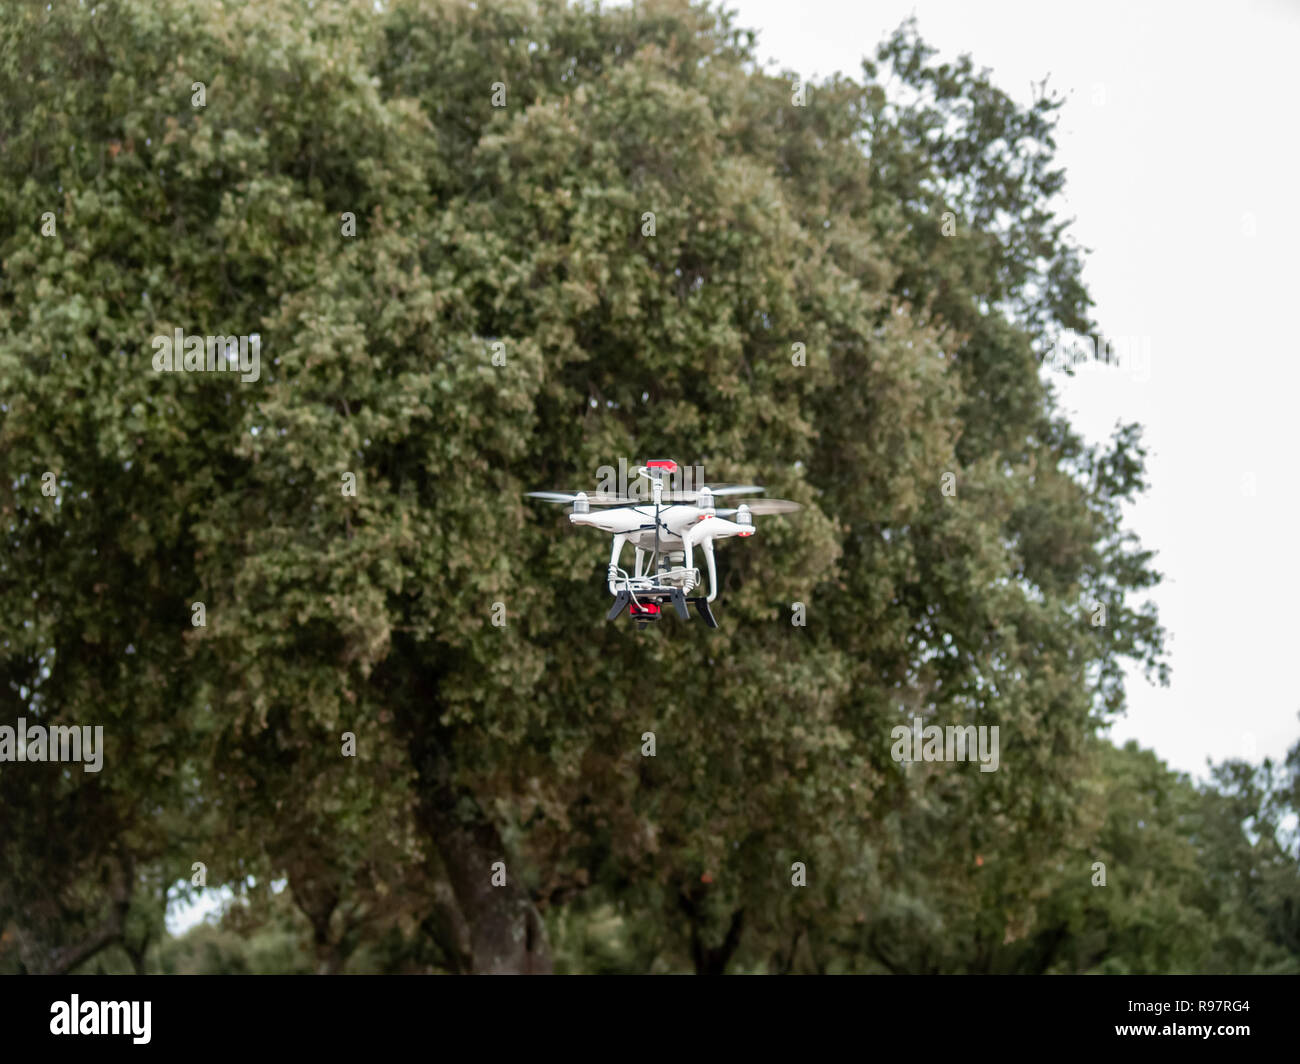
[{"x": 665, "y": 533}]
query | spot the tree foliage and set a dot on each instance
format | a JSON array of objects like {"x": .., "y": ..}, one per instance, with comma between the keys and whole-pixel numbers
[{"x": 522, "y": 221}]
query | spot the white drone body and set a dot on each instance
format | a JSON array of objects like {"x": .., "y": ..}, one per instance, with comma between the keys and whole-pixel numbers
[{"x": 665, "y": 533}]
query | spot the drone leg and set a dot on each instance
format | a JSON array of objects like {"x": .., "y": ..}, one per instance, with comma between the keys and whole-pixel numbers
[
  {"x": 713, "y": 571},
  {"x": 702, "y": 606},
  {"x": 621, "y": 601},
  {"x": 615, "y": 553},
  {"x": 679, "y": 604}
]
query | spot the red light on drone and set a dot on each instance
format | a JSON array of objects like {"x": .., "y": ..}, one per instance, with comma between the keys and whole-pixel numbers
[{"x": 662, "y": 463}]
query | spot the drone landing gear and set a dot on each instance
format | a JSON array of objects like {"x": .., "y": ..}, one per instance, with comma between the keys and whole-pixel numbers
[
  {"x": 641, "y": 612},
  {"x": 621, "y": 601},
  {"x": 702, "y": 607},
  {"x": 648, "y": 606}
]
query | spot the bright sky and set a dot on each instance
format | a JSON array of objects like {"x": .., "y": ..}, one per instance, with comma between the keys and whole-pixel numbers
[{"x": 1182, "y": 150}]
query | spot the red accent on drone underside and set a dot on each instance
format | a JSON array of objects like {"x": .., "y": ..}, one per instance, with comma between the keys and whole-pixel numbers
[{"x": 662, "y": 463}]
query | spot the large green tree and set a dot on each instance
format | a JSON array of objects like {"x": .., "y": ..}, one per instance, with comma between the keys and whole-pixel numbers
[{"x": 647, "y": 226}]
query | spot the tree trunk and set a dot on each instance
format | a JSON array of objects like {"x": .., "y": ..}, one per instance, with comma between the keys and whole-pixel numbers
[
  {"x": 506, "y": 933},
  {"x": 136, "y": 953},
  {"x": 110, "y": 932},
  {"x": 710, "y": 960},
  {"x": 446, "y": 926}
]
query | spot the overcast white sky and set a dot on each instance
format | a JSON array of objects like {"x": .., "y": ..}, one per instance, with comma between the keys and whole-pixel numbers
[{"x": 1180, "y": 141}]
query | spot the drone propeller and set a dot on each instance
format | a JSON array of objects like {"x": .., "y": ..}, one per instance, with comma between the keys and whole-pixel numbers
[
  {"x": 596, "y": 498},
  {"x": 721, "y": 489},
  {"x": 765, "y": 506}
]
